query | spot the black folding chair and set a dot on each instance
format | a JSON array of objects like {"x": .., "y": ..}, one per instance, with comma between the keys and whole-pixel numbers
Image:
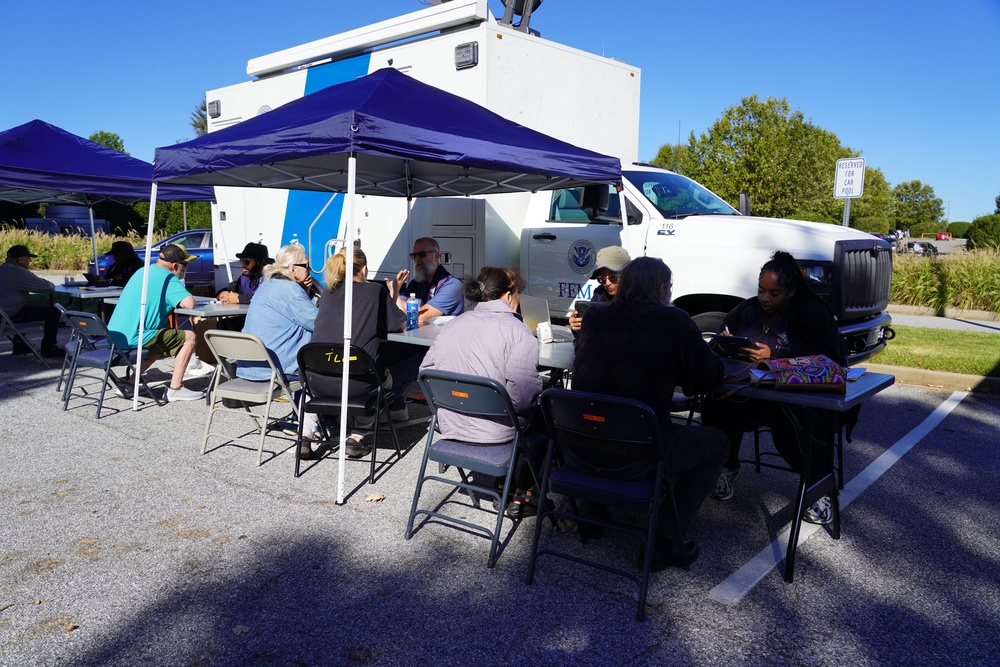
[
  {"x": 106, "y": 357},
  {"x": 586, "y": 429},
  {"x": 479, "y": 397},
  {"x": 321, "y": 371},
  {"x": 18, "y": 334},
  {"x": 74, "y": 345}
]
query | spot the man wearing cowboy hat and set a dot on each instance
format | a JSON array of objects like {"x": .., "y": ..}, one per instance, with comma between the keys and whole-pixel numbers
[
  {"x": 16, "y": 283},
  {"x": 253, "y": 258}
]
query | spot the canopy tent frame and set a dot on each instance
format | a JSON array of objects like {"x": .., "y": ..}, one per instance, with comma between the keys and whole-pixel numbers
[{"x": 358, "y": 138}]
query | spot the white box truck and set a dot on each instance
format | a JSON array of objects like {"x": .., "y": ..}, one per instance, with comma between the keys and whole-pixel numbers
[{"x": 585, "y": 99}]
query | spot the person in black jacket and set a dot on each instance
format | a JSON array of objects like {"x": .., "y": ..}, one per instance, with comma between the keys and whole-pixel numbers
[
  {"x": 785, "y": 319},
  {"x": 641, "y": 347},
  {"x": 126, "y": 263},
  {"x": 253, "y": 258}
]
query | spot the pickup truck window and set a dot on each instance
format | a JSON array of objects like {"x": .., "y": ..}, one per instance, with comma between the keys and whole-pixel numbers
[
  {"x": 566, "y": 207},
  {"x": 677, "y": 196}
]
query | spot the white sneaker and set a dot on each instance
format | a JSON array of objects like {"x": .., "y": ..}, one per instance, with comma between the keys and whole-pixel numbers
[
  {"x": 820, "y": 512},
  {"x": 197, "y": 368},
  {"x": 183, "y": 394}
]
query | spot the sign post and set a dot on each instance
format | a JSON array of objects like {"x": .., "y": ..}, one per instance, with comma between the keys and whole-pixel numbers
[{"x": 849, "y": 183}]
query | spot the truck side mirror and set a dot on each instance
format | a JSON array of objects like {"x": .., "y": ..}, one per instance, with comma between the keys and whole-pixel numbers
[
  {"x": 595, "y": 199},
  {"x": 744, "y": 203}
]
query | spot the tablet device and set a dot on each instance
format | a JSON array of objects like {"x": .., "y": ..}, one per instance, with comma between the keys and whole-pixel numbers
[
  {"x": 584, "y": 306},
  {"x": 730, "y": 346}
]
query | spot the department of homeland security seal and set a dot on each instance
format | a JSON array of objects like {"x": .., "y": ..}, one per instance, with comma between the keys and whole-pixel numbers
[{"x": 581, "y": 256}]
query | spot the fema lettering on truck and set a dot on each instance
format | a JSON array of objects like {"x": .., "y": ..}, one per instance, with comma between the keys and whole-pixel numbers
[{"x": 572, "y": 290}]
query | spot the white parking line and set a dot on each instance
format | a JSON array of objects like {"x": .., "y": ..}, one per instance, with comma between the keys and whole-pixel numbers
[{"x": 740, "y": 582}]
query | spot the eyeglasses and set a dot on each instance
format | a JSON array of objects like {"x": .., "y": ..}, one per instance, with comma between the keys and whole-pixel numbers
[
  {"x": 421, "y": 254},
  {"x": 608, "y": 278}
]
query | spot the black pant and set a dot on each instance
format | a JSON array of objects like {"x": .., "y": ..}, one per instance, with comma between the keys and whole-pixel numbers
[
  {"x": 786, "y": 423},
  {"x": 694, "y": 458},
  {"x": 48, "y": 315}
]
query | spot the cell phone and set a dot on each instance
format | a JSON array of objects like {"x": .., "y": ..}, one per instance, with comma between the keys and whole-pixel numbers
[
  {"x": 583, "y": 306},
  {"x": 730, "y": 346}
]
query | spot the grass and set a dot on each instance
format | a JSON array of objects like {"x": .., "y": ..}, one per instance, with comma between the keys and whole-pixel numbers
[
  {"x": 962, "y": 280},
  {"x": 968, "y": 352}
]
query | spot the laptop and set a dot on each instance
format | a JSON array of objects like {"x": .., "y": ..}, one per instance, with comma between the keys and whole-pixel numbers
[{"x": 535, "y": 310}]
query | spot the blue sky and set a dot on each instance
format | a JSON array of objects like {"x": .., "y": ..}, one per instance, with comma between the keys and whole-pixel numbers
[{"x": 914, "y": 85}]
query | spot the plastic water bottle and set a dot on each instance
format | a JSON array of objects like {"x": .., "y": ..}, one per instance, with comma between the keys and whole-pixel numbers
[{"x": 412, "y": 310}]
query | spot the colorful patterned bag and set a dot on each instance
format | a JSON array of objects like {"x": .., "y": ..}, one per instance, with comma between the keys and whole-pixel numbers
[{"x": 812, "y": 373}]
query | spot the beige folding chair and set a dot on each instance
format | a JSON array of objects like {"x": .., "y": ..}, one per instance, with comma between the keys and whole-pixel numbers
[
  {"x": 230, "y": 347},
  {"x": 18, "y": 334}
]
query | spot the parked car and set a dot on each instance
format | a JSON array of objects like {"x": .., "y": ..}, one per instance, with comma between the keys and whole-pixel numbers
[
  {"x": 943, "y": 236},
  {"x": 200, "y": 273},
  {"x": 921, "y": 248},
  {"x": 877, "y": 235}
]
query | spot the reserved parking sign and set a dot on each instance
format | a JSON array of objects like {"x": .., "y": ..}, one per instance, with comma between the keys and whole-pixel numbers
[{"x": 850, "y": 181}]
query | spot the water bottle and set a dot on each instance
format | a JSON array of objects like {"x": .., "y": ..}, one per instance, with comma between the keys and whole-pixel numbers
[{"x": 412, "y": 310}]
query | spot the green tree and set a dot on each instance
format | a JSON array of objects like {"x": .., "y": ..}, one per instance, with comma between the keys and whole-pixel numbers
[
  {"x": 915, "y": 202},
  {"x": 984, "y": 233},
  {"x": 872, "y": 211},
  {"x": 199, "y": 119},
  {"x": 671, "y": 156},
  {"x": 959, "y": 229},
  {"x": 764, "y": 148},
  {"x": 109, "y": 140},
  {"x": 170, "y": 215}
]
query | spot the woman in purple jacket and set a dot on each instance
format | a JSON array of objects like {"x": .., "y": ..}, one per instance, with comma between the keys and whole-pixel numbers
[{"x": 490, "y": 341}]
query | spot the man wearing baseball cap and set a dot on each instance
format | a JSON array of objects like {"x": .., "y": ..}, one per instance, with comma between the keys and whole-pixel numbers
[
  {"x": 610, "y": 262},
  {"x": 16, "y": 283},
  {"x": 165, "y": 293}
]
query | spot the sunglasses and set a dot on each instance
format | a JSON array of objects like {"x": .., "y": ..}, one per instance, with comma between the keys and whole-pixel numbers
[
  {"x": 245, "y": 262},
  {"x": 304, "y": 266},
  {"x": 608, "y": 278},
  {"x": 421, "y": 254}
]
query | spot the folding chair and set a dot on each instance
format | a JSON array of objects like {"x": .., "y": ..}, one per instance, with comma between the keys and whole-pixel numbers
[
  {"x": 480, "y": 397},
  {"x": 321, "y": 370},
  {"x": 74, "y": 345},
  {"x": 104, "y": 356},
  {"x": 18, "y": 334},
  {"x": 229, "y": 347},
  {"x": 682, "y": 403},
  {"x": 586, "y": 428}
]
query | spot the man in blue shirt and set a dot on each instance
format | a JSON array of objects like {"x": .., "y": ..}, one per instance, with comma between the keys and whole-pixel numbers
[
  {"x": 440, "y": 293},
  {"x": 165, "y": 292}
]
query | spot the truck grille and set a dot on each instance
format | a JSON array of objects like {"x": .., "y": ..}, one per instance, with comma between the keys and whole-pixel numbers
[{"x": 865, "y": 276}]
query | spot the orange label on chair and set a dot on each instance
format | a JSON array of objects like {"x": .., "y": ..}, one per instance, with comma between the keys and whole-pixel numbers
[
  {"x": 593, "y": 418},
  {"x": 459, "y": 394}
]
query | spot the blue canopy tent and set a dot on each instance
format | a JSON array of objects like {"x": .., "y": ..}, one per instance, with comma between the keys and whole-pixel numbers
[
  {"x": 41, "y": 163},
  {"x": 384, "y": 134}
]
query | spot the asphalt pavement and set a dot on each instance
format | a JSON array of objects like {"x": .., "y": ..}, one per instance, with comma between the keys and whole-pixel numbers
[{"x": 121, "y": 544}]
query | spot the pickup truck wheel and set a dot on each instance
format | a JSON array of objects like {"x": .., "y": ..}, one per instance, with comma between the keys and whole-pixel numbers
[{"x": 710, "y": 323}]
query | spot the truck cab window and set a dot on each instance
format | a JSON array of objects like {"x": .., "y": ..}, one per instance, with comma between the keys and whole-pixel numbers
[
  {"x": 567, "y": 207},
  {"x": 677, "y": 196}
]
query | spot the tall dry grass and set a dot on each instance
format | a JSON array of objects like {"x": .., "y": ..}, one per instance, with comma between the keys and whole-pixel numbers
[
  {"x": 61, "y": 253},
  {"x": 969, "y": 281}
]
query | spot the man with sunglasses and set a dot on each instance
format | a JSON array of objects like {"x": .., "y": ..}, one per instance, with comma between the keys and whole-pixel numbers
[
  {"x": 610, "y": 262},
  {"x": 165, "y": 292},
  {"x": 253, "y": 260},
  {"x": 440, "y": 293}
]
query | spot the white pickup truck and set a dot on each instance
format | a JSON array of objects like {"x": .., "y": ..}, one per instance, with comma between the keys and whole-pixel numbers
[{"x": 714, "y": 251}]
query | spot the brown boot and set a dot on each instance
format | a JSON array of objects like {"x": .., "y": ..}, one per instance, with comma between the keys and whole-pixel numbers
[{"x": 305, "y": 451}]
